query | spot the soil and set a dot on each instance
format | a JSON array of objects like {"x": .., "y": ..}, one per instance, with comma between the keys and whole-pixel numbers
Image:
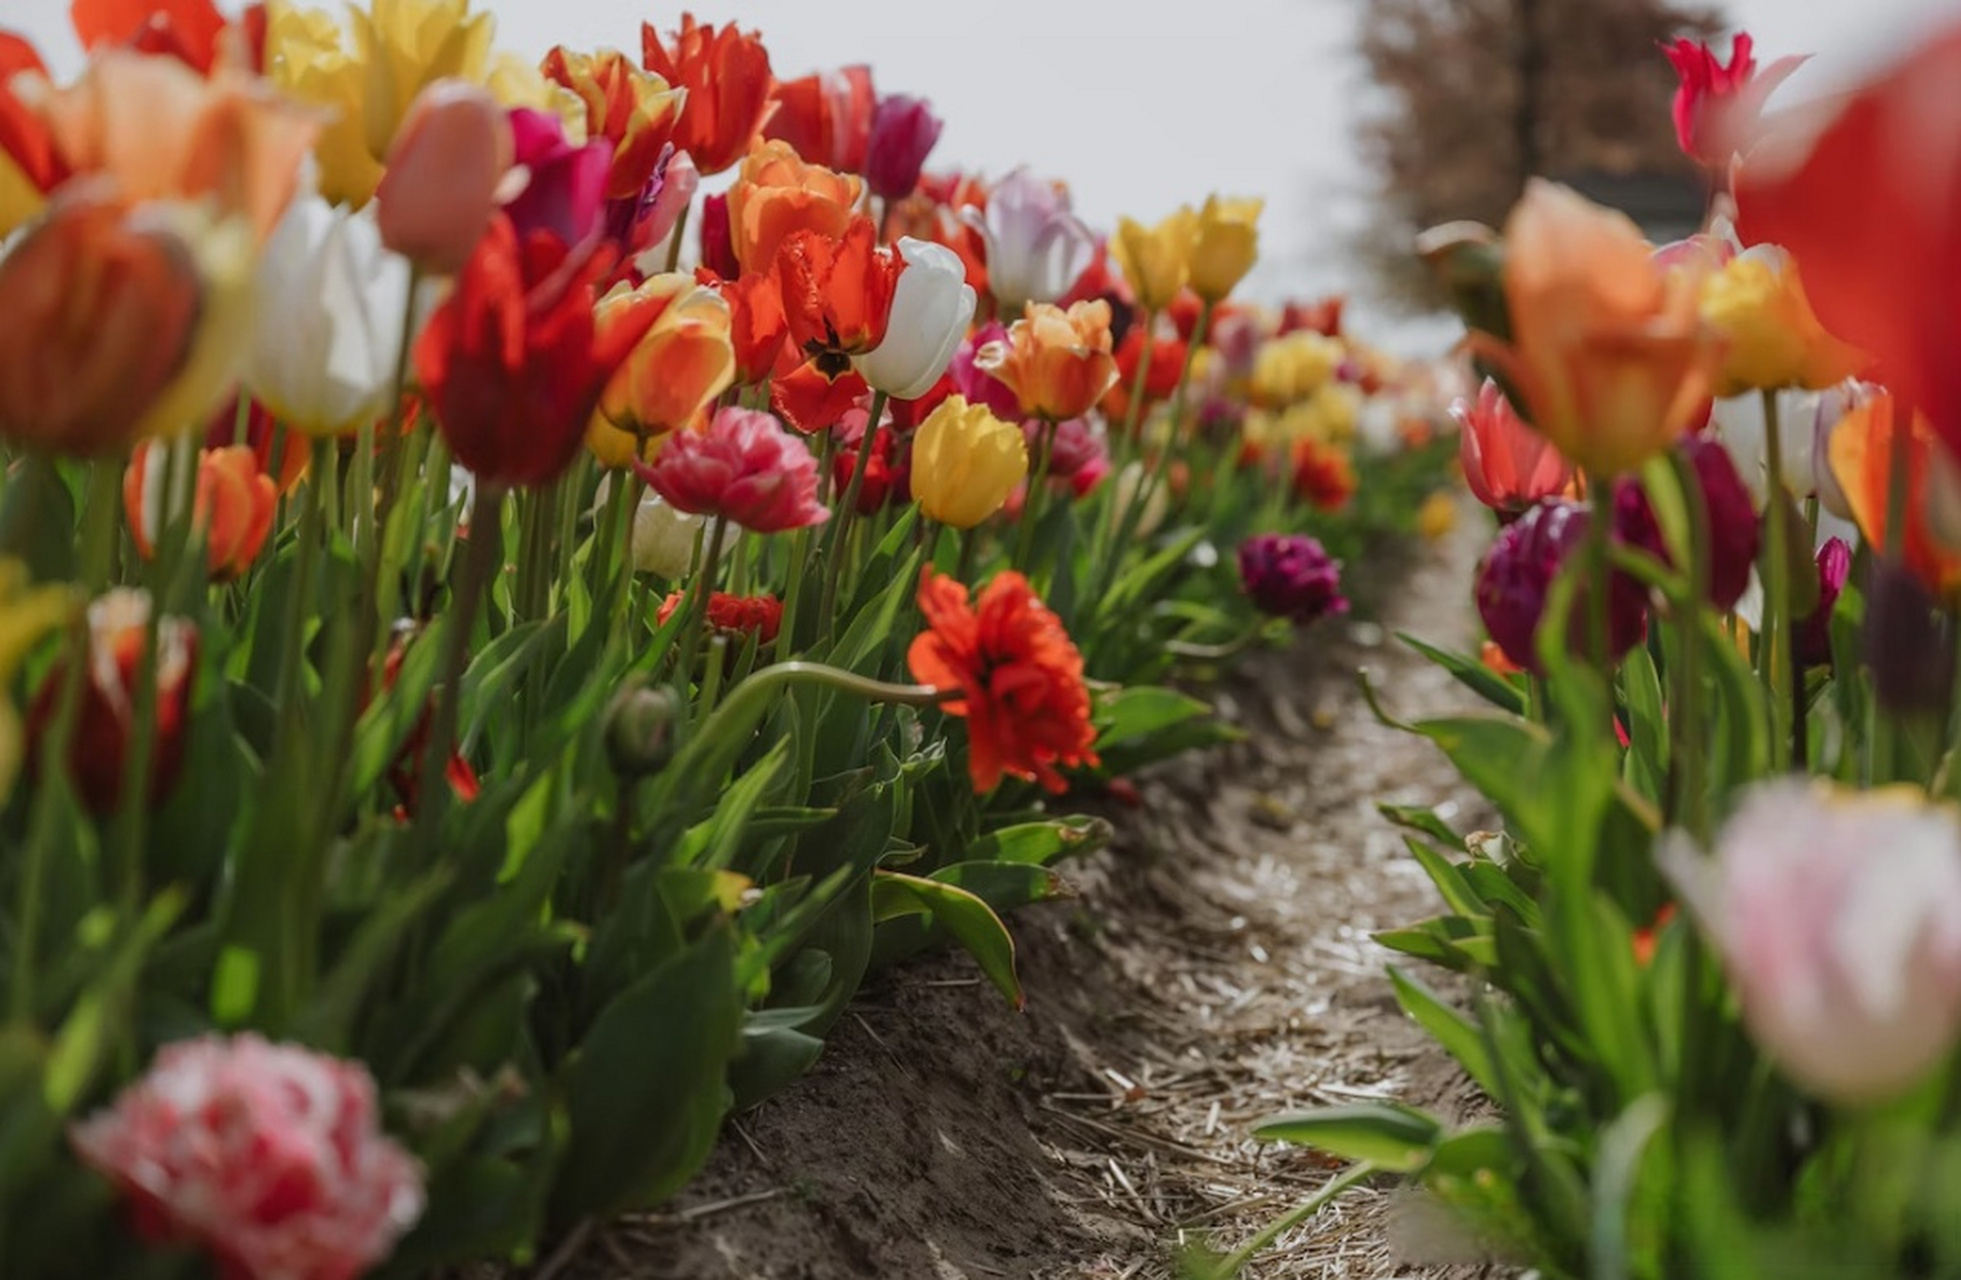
[{"x": 1216, "y": 969}]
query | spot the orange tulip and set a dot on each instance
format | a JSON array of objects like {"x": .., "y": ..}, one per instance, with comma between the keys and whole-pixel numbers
[
  {"x": 726, "y": 76},
  {"x": 934, "y": 212},
  {"x": 1607, "y": 349},
  {"x": 234, "y": 505},
  {"x": 1058, "y": 363},
  {"x": 164, "y": 132},
  {"x": 757, "y": 325},
  {"x": 827, "y": 117},
  {"x": 777, "y": 193},
  {"x": 1861, "y": 451},
  {"x": 681, "y": 363},
  {"x": 187, "y": 30},
  {"x": 837, "y": 293},
  {"x": 635, "y": 111}
]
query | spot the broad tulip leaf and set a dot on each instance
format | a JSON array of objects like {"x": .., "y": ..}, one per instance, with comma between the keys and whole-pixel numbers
[
  {"x": 1386, "y": 1134},
  {"x": 963, "y": 914}
]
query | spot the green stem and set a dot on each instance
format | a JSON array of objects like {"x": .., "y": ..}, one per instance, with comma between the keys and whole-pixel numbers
[
  {"x": 674, "y": 241},
  {"x": 1685, "y": 721},
  {"x": 786, "y": 636},
  {"x": 1599, "y": 579},
  {"x": 1031, "y": 507},
  {"x": 1233, "y": 1263},
  {"x": 1140, "y": 498},
  {"x": 479, "y": 564},
  {"x": 694, "y": 627},
  {"x": 1774, "y": 648},
  {"x": 846, "y": 513},
  {"x": 391, "y": 445}
]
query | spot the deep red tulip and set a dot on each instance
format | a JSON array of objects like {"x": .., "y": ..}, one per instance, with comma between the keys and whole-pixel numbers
[
  {"x": 904, "y": 130},
  {"x": 1517, "y": 574},
  {"x": 1733, "y": 535},
  {"x": 565, "y": 192}
]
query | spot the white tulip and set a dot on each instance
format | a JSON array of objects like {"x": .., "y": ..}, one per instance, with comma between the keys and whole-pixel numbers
[
  {"x": 931, "y": 309},
  {"x": 1035, "y": 246}
]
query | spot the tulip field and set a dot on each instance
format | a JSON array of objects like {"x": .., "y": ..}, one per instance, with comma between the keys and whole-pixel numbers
[{"x": 527, "y": 586}]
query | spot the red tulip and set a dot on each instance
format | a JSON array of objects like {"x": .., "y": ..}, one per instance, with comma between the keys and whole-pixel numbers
[
  {"x": 812, "y": 400},
  {"x": 727, "y": 78},
  {"x": 187, "y": 30},
  {"x": 827, "y": 117},
  {"x": 837, "y": 293},
  {"x": 1717, "y": 104},
  {"x": 1508, "y": 465}
]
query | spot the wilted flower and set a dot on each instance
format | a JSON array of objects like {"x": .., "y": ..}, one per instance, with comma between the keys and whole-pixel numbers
[
  {"x": 1732, "y": 520},
  {"x": 725, "y": 74},
  {"x": 744, "y": 468},
  {"x": 1156, "y": 261},
  {"x": 904, "y": 130},
  {"x": 1035, "y": 246},
  {"x": 440, "y": 188},
  {"x": 1516, "y": 576},
  {"x": 106, "y": 722},
  {"x": 1058, "y": 363},
  {"x": 776, "y": 194},
  {"x": 965, "y": 463},
  {"x": 634, "y": 111},
  {"x": 1226, "y": 247},
  {"x": 1019, "y": 674},
  {"x": 270, "y": 1157},
  {"x": 1717, "y": 104},
  {"x": 1508, "y": 465},
  {"x": 1838, "y": 916},
  {"x": 1291, "y": 575},
  {"x": 1771, "y": 338},
  {"x": 931, "y": 309},
  {"x": 234, "y": 504},
  {"x": 682, "y": 361}
]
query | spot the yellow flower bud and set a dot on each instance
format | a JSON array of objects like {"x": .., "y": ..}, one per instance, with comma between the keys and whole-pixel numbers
[
  {"x": 1156, "y": 260},
  {"x": 1227, "y": 244},
  {"x": 1757, "y": 302},
  {"x": 1293, "y": 367},
  {"x": 965, "y": 463}
]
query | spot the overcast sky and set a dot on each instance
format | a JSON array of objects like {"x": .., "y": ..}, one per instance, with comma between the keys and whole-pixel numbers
[{"x": 1140, "y": 104}]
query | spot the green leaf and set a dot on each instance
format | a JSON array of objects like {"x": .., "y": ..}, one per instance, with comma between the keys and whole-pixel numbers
[
  {"x": 1499, "y": 691},
  {"x": 1388, "y": 1135},
  {"x": 1456, "y": 1033},
  {"x": 1040, "y": 843},
  {"x": 1133, "y": 713},
  {"x": 1422, "y": 819},
  {"x": 971, "y": 922}
]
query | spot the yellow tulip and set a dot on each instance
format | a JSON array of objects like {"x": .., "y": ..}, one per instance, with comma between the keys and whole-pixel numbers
[
  {"x": 1293, "y": 367},
  {"x": 26, "y": 614},
  {"x": 1436, "y": 517},
  {"x": 405, "y": 45},
  {"x": 1227, "y": 244},
  {"x": 1156, "y": 260},
  {"x": 516, "y": 82},
  {"x": 306, "y": 56},
  {"x": 20, "y": 199},
  {"x": 681, "y": 363},
  {"x": 965, "y": 463},
  {"x": 1758, "y": 303}
]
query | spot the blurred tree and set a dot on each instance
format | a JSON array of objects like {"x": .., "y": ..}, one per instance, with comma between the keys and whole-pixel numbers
[{"x": 1478, "y": 95}]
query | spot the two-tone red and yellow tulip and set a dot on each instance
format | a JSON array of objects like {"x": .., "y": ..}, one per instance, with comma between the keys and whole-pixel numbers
[
  {"x": 635, "y": 110},
  {"x": 682, "y": 361},
  {"x": 1058, "y": 363},
  {"x": 724, "y": 73}
]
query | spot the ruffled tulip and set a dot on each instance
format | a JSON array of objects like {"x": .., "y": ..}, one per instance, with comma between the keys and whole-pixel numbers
[
  {"x": 1019, "y": 674},
  {"x": 514, "y": 359},
  {"x": 1860, "y": 450},
  {"x": 634, "y": 111},
  {"x": 106, "y": 721},
  {"x": 444, "y": 171},
  {"x": 1226, "y": 246},
  {"x": 1516, "y": 576},
  {"x": 1156, "y": 261},
  {"x": 757, "y": 325},
  {"x": 233, "y": 505},
  {"x": 827, "y": 117},
  {"x": 743, "y": 468},
  {"x": 682, "y": 361},
  {"x": 725, "y": 75},
  {"x": 1869, "y": 200},
  {"x": 1717, "y": 104},
  {"x": 1507, "y": 464},
  {"x": 122, "y": 324},
  {"x": 1035, "y": 246},
  {"x": 903, "y": 132},
  {"x": 334, "y": 302},
  {"x": 1733, "y": 535},
  {"x": 1291, "y": 575},
  {"x": 811, "y": 399},
  {"x": 1058, "y": 363},
  {"x": 931, "y": 308},
  {"x": 838, "y": 294},
  {"x": 1608, "y": 351},
  {"x": 776, "y": 194},
  {"x": 269, "y": 1157},
  {"x": 737, "y": 617},
  {"x": 405, "y": 47},
  {"x": 1838, "y": 917},
  {"x": 965, "y": 463},
  {"x": 1771, "y": 338}
]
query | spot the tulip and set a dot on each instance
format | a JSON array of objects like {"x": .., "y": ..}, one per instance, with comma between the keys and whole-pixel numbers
[
  {"x": 335, "y": 301},
  {"x": 559, "y": 188},
  {"x": 811, "y": 399},
  {"x": 1322, "y": 316},
  {"x": 1226, "y": 245},
  {"x": 931, "y": 309},
  {"x": 635, "y": 111},
  {"x": 1058, "y": 363},
  {"x": 1035, "y": 246},
  {"x": 1868, "y": 198},
  {"x": 124, "y": 324},
  {"x": 1908, "y": 642},
  {"x": 888, "y": 466},
  {"x": 976, "y": 383},
  {"x": 118, "y": 626},
  {"x": 682, "y": 361},
  {"x": 1608, "y": 352},
  {"x": 1078, "y": 455},
  {"x": 187, "y": 30},
  {"x": 903, "y": 132},
  {"x": 1508, "y": 465},
  {"x": 1838, "y": 917},
  {"x": 1739, "y": 423},
  {"x": 1291, "y": 576},
  {"x": 937, "y": 211},
  {"x": 304, "y": 57},
  {"x": 737, "y": 617},
  {"x": 1324, "y": 474},
  {"x": 775, "y": 194},
  {"x": 1516, "y": 576},
  {"x": 444, "y": 171},
  {"x": 406, "y": 47},
  {"x": 827, "y": 117},
  {"x": 1156, "y": 261},
  {"x": 725, "y": 76},
  {"x": 965, "y": 463},
  {"x": 663, "y": 540},
  {"x": 1130, "y": 490},
  {"x": 743, "y": 468},
  {"x": 1811, "y": 635},
  {"x": 1756, "y": 303},
  {"x": 757, "y": 325},
  {"x": 1293, "y": 368},
  {"x": 514, "y": 359},
  {"x": 1731, "y": 520},
  {"x": 269, "y": 1157},
  {"x": 718, "y": 238},
  {"x": 1167, "y": 365},
  {"x": 31, "y": 165},
  {"x": 1860, "y": 452},
  {"x": 838, "y": 295},
  {"x": 233, "y": 505},
  {"x": 1717, "y": 104},
  {"x": 644, "y": 226}
]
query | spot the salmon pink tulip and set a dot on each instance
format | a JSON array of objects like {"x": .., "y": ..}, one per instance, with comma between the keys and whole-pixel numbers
[{"x": 1507, "y": 464}]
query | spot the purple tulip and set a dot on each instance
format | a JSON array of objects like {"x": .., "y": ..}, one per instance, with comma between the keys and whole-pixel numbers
[
  {"x": 1733, "y": 534},
  {"x": 1291, "y": 575},
  {"x": 904, "y": 130},
  {"x": 1517, "y": 575},
  {"x": 565, "y": 188},
  {"x": 1811, "y": 639}
]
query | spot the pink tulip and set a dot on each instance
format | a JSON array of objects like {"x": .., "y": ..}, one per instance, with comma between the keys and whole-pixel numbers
[
  {"x": 744, "y": 468},
  {"x": 1508, "y": 465},
  {"x": 564, "y": 187},
  {"x": 976, "y": 383},
  {"x": 1036, "y": 247},
  {"x": 444, "y": 170}
]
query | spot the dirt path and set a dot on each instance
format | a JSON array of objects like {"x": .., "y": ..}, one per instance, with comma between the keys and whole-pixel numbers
[{"x": 1215, "y": 970}]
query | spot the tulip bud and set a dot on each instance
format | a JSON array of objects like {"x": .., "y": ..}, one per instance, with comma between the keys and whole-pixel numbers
[
  {"x": 1811, "y": 637},
  {"x": 965, "y": 463},
  {"x": 1517, "y": 574},
  {"x": 903, "y": 131},
  {"x": 1291, "y": 576},
  {"x": 717, "y": 240},
  {"x": 444, "y": 170},
  {"x": 234, "y": 504},
  {"x": 640, "y": 729}
]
